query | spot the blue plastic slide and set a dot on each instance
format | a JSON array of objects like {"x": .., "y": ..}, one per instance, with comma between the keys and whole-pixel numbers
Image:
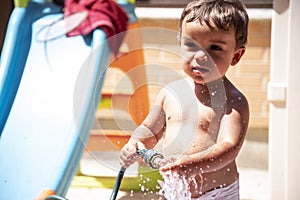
[{"x": 48, "y": 90}]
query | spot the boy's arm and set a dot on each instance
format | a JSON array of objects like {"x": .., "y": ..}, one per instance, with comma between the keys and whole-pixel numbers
[
  {"x": 231, "y": 137},
  {"x": 153, "y": 126},
  {"x": 147, "y": 134}
]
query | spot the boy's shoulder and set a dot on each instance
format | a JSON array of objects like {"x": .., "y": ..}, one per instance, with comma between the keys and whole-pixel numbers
[
  {"x": 177, "y": 87},
  {"x": 232, "y": 91},
  {"x": 235, "y": 98}
]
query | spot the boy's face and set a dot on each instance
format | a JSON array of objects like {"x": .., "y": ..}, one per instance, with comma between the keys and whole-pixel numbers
[{"x": 208, "y": 51}]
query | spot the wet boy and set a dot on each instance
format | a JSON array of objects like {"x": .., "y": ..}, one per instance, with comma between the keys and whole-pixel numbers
[{"x": 201, "y": 121}]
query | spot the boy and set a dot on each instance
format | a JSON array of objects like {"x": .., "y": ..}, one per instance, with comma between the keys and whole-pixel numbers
[{"x": 201, "y": 121}]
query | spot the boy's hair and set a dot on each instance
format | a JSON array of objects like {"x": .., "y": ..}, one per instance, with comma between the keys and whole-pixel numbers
[{"x": 220, "y": 13}]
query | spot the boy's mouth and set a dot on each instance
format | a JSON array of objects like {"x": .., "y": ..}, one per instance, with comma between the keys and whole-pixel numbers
[{"x": 200, "y": 70}]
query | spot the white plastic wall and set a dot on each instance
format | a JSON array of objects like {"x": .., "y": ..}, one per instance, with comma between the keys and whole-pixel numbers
[{"x": 284, "y": 97}]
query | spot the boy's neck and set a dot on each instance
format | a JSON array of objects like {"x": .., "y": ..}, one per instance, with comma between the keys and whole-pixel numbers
[{"x": 212, "y": 94}]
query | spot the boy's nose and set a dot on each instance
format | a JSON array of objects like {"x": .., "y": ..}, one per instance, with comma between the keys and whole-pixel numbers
[{"x": 200, "y": 56}]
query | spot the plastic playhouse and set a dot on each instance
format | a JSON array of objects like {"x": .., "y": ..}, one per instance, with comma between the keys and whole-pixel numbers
[{"x": 50, "y": 89}]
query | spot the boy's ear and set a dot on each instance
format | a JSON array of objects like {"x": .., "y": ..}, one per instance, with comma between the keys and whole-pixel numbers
[{"x": 238, "y": 55}]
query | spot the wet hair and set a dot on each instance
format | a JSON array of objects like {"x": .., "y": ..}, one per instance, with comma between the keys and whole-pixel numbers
[{"x": 220, "y": 13}]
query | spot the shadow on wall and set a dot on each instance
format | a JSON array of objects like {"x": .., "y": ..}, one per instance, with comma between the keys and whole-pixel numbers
[{"x": 254, "y": 152}]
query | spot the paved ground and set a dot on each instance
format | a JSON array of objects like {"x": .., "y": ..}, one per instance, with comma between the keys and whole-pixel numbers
[
  {"x": 253, "y": 168},
  {"x": 253, "y": 186}
]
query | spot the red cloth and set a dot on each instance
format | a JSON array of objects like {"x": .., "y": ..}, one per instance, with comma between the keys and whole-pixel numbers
[{"x": 104, "y": 14}]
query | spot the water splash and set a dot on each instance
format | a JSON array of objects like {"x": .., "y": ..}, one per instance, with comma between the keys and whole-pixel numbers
[
  {"x": 146, "y": 191},
  {"x": 177, "y": 187}
]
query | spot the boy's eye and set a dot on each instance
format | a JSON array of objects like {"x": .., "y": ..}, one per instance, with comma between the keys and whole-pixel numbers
[
  {"x": 190, "y": 44},
  {"x": 215, "y": 47}
]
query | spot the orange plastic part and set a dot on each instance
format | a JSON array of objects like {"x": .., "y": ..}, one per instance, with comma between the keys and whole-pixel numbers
[
  {"x": 134, "y": 59},
  {"x": 44, "y": 194},
  {"x": 107, "y": 140},
  {"x": 133, "y": 65}
]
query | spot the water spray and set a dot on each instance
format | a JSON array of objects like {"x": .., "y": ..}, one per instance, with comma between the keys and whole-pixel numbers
[{"x": 151, "y": 158}]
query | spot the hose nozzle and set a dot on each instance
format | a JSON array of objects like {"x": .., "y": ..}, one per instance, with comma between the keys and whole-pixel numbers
[{"x": 151, "y": 157}]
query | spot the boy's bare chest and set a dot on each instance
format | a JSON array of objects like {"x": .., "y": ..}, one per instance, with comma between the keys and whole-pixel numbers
[
  {"x": 190, "y": 111},
  {"x": 190, "y": 128},
  {"x": 191, "y": 123}
]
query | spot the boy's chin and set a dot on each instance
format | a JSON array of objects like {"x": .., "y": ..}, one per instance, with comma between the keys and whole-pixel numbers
[{"x": 208, "y": 80}]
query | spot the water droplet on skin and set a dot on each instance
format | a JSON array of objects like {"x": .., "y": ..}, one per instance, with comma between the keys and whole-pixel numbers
[
  {"x": 228, "y": 169},
  {"x": 207, "y": 166},
  {"x": 240, "y": 98},
  {"x": 214, "y": 93},
  {"x": 118, "y": 142}
]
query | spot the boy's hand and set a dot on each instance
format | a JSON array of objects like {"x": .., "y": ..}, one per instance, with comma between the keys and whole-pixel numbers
[
  {"x": 128, "y": 154},
  {"x": 178, "y": 165}
]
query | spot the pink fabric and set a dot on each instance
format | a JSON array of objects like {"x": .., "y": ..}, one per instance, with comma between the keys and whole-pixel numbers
[{"x": 104, "y": 14}]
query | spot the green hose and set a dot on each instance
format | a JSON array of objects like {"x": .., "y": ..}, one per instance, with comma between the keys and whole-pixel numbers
[
  {"x": 117, "y": 184},
  {"x": 151, "y": 157}
]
